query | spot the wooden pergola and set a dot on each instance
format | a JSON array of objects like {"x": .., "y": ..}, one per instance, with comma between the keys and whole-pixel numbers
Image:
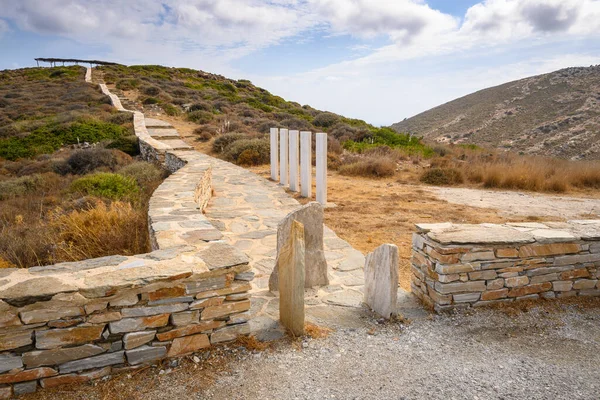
[{"x": 53, "y": 61}]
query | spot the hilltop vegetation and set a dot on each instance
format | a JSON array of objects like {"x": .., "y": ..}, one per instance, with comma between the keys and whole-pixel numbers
[
  {"x": 62, "y": 199},
  {"x": 222, "y": 106},
  {"x": 556, "y": 114},
  {"x": 235, "y": 116}
]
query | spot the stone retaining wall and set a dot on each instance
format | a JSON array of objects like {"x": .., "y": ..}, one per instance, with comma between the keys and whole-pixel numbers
[
  {"x": 458, "y": 266},
  {"x": 74, "y": 322}
]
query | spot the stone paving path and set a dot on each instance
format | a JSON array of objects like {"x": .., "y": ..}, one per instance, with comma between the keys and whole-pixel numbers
[{"x": 246, "y": 209}]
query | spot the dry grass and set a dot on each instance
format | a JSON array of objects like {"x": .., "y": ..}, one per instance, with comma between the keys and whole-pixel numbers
[
  {"x": 370, "y": 167},
  {"x": 510, "y": 171},
  {"x": 316, "y": 332},
  {"x": 99, "y": 230},
  {"x": 370, "y": 212},
  {"x": 252, "y": 343}
]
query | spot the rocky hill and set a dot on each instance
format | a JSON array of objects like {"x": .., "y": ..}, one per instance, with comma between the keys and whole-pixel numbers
[{"x": 555, "y": 114}]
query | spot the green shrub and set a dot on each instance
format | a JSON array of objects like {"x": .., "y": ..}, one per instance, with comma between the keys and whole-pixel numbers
[
  {"x": 84, "y": 161},
  {"x": 150, "y": 90},
  {"x": 127, "y": 84},
  {"x": 248, "y": 151},
  {"x": 150, "y": 100},
  {"x": 51, "y": 137},
  {"x": 200, "y": 117},
  {"x": 325, "y": 120},
  {"x": 200, "y": 106},
  {"x": 171, "y": 110},
  {"x": 143, "y": 172},
  {"x": 107, "y": 185},
  {"x": 225, "y": 140},
  {"x": 127, "y": 144},
  {"x": 442, "y": 177},
  {"x": 120, "y": 118}
]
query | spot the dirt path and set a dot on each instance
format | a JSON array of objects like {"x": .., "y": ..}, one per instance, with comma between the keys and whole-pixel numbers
[{"x": 517, "y": 204}]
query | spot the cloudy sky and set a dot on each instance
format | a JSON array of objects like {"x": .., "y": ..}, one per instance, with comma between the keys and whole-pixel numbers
[{"x": 378, "y": 60}]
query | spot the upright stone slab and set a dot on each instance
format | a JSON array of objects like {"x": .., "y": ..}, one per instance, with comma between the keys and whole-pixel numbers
[
  {"x": 274, "y": 155},
  {"x": 291, "y": 282},
  {"x": 294, "y": 155},
  {"x": 283, "y": 157},
  {"x": 381, "y": 280},
  {"x": 311, "y": 216},
  {"x": 306, "y": 163},
  {"x": 321, "y": 139}
]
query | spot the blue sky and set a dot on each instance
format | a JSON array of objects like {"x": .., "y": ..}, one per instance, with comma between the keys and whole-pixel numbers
[{"x": 378, "y": 60}]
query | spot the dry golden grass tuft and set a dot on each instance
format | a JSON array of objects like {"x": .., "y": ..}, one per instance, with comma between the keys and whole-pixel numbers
[
  {"x": 252, "y": 343},
  {"x": 510, "y": 171},
  {"x": 99, "y": 230},
  {"x": 370, "y": 167},
  {"x": 316, "y": 332}
]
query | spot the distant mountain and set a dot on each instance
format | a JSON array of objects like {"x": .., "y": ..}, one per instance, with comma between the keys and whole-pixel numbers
[{"x": 555, "y": 114}]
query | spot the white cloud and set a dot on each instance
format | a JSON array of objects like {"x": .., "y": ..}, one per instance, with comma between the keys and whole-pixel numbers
[
  {"x": 213, "y": 34},
  {"x": 399, "y": 19}
]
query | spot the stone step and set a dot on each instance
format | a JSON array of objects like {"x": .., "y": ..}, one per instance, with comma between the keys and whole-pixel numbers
[
  {"x": 157, "y": 124},
  {"x": 177, "y": 144},
  {"x": 163, "y": 133}
]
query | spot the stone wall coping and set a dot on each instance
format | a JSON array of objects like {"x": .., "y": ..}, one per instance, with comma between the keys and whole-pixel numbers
[
  {"x": 186, "y": 244},
  {"x": 511, "y": 233}
]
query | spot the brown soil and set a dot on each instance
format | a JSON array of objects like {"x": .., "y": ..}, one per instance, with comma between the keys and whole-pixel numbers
[{"x": 372, "y": 212}]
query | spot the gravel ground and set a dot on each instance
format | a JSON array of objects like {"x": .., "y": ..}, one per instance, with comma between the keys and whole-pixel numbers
[
  {"x": 488, "y": 354},
  {"x": 516, "y": 204},
  {"x": 544, "y": 351}
]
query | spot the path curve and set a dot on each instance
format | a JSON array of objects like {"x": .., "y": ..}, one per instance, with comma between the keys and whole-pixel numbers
[{"x": 246, "y": 209}]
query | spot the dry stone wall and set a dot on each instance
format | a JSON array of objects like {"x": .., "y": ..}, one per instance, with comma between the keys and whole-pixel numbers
[
  {"x": 458, "y": 266},
  {"x": 75, "y": 322}
]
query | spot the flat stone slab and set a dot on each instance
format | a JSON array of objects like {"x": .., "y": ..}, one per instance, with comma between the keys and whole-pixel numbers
[
  {"x": 177, "y": 144},
  {"x": 157, "y": 123},
  {"x": 474, "y": 234},
  {"x": 166, "y": 133}
]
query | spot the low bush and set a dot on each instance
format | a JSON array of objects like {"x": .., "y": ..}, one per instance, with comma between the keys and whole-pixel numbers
[
  {"x": 150, "y": 100},
  {"x": 150, "y": 90},
  {"x": 127, "y": 84},
  {"x": 200, "y": 106},
  {"x": 127, "y": 144},
  {"x": 225, "y": 140},
  {"x": 200, "y": 117},
  {"x": 19, "y": 186},
  {"x": 171, "y": 110},
  {"x": 334, "y": 162},
  {"x": 442, "y": 177},
  {"x": 144, "y": 173},
  {"x": 84, "y": 161},
  {"x": 120, "y": 118},
  {"x": 248, "y": 152},
  {"x": 325, "y": 120},
  {"x": 51, "y": 137},
  {"x": 204, "y": 137},
  {"x": 296, "y": 123},
  {"x": 370, "y": 167},
  {"x": 107, "y": 185}
]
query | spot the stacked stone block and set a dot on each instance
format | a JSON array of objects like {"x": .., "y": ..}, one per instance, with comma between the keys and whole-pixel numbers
[
  {"x": 458, "y": 266},
  {"x": 75, "y": 322},
  {"x": 77, "y": 336}
]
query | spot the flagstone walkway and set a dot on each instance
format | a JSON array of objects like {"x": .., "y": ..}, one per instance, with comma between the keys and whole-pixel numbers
[{"x": 247, "y": 208}]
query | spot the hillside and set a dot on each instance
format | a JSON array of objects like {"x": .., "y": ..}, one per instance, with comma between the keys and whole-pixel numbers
[
  {"x": 219, "y": 106},
  {"x": 555, "y": 114},
  {"x": 71, "y": 186}
]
